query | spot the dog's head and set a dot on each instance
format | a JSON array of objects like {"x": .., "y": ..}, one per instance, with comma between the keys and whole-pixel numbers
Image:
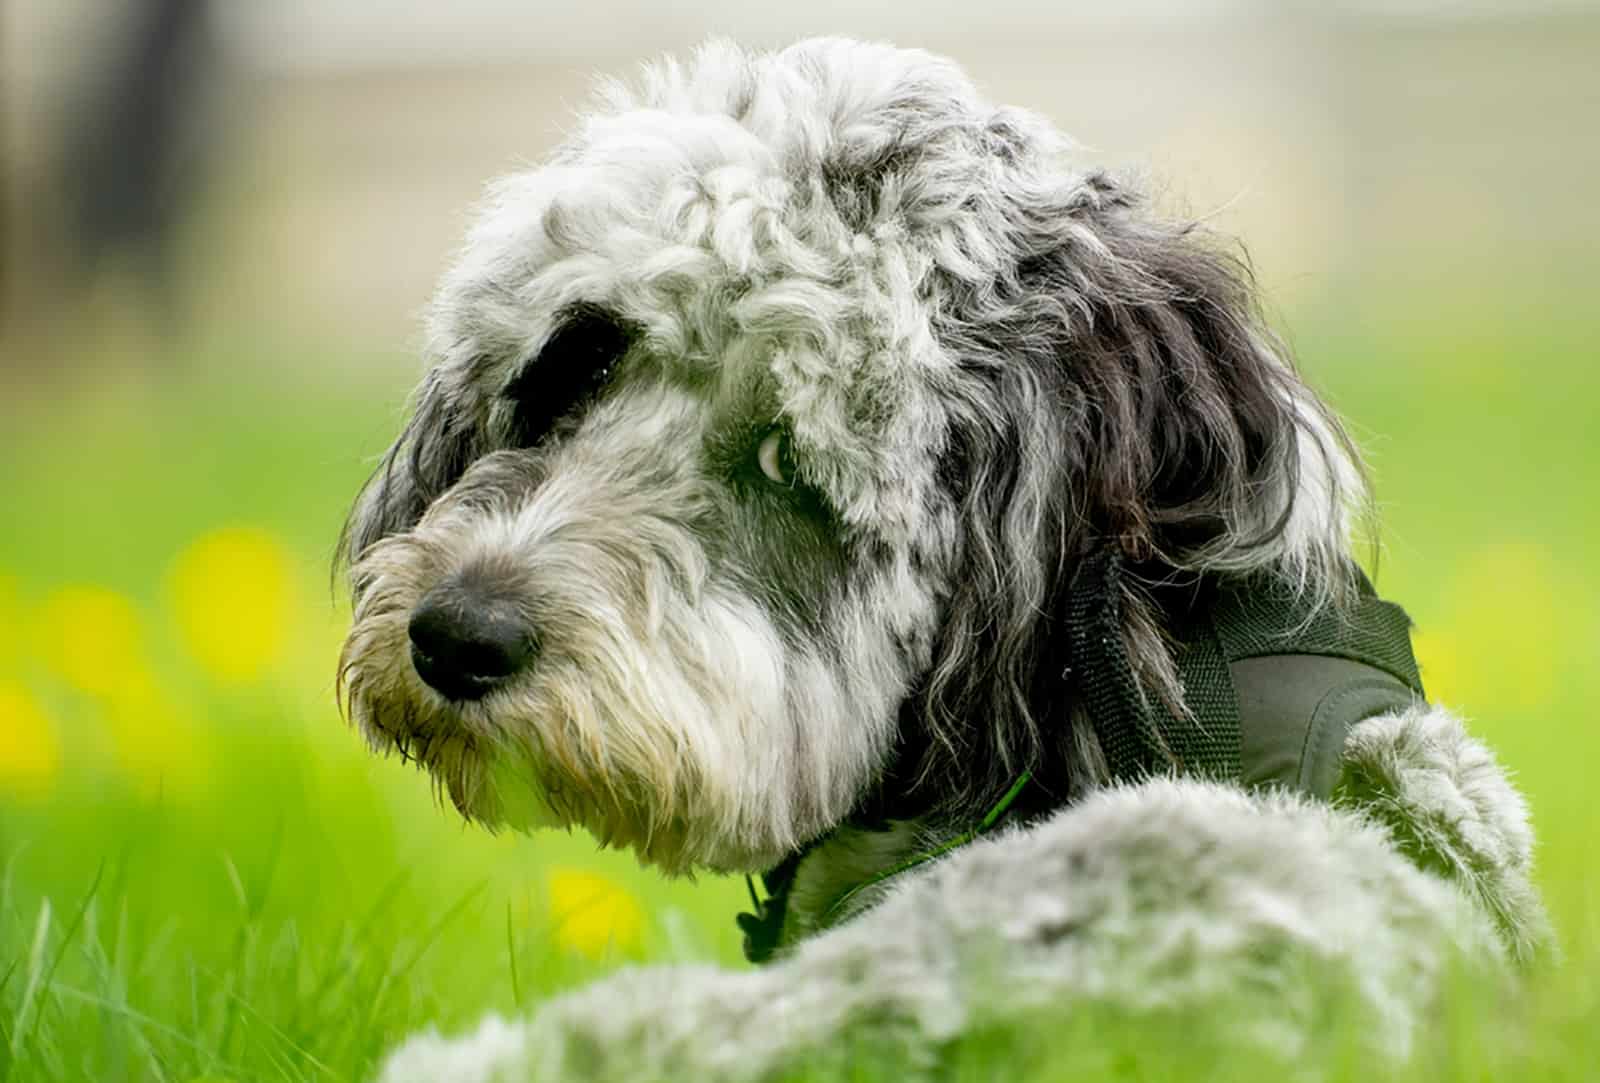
[{"x": 766, "y": 421}]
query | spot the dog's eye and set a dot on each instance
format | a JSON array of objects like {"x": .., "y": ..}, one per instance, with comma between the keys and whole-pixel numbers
[
  {"x": 775, "y": 456},
  {"x": 573, "y": 366}
]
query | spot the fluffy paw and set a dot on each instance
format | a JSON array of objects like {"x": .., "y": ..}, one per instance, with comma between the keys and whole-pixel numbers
[
  {"x": 489, "y": 1055},
  {"x": 1453, "y": 810}
]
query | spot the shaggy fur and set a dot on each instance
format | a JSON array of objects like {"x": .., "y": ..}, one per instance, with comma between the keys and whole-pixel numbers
[
  {"x": 1172, "y": 896},
  {"x": 782, "y": 406},
  {"x": 1450, "y": 808}
]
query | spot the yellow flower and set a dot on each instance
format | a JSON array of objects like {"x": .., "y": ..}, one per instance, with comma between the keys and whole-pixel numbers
[
  {"x": 593, "y": 915},
  {"x": 91, "y": 637},
  {"x": 30, "y": 754},
  {"x": 158, "y": 747},
  {"x": 10, "y": 620},
  {"x": 1438, "y": 657},
  {"x": 1511, "y": 626},
  {"x": 230, "y": 593}
]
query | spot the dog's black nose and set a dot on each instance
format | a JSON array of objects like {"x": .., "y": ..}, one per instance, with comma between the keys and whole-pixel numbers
[{"x": 466, "y": 642}]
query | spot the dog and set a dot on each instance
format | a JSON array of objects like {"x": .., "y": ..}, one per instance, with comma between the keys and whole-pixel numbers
[{"x": 820, "y": 476}]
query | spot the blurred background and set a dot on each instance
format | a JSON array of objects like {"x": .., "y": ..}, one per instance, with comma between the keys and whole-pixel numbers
[
  {"x": 218, "y": 224},
  {"x": 298, "y": 171}
]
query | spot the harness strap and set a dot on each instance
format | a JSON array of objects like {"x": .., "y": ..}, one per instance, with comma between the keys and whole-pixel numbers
[
  {"x": 1138, "y": 737},
  {"x": 1271, "y": 682},
  {"x": 1271, "y": 686}
]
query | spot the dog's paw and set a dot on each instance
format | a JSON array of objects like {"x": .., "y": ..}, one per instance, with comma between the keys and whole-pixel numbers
[
  {"x": 491, "y": 1054},
  {"x": 1452, "y": 809}
]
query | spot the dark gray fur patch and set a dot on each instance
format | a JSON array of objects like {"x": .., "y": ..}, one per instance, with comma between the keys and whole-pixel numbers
[{"x": 1124, "y": 395}]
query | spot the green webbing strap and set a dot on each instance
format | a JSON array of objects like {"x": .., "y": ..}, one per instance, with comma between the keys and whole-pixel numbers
[
  {"x": 1250, "y": 617},
  {"x": 1139, "y": 736},
  {"x": 1259, "y": 617}
]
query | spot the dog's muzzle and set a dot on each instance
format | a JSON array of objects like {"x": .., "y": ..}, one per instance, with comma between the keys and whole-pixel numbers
[{"x": 466, "y": 641}]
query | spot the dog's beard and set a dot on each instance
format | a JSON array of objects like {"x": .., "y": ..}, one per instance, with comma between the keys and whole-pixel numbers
[{"x": 679, "y": 725}]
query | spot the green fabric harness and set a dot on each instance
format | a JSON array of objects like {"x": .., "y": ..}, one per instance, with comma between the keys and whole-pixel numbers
[
  {"x": 1272, "y": 682},
  {"x": 1272, "y": 685}
]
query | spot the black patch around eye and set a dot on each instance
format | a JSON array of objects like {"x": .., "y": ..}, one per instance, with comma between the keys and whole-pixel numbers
[
  {"x": 572, "y": 367},
  {"x": 737, "y": 456}
]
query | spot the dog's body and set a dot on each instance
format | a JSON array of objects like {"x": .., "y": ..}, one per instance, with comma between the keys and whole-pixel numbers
[{"x": 746, "y": 518}]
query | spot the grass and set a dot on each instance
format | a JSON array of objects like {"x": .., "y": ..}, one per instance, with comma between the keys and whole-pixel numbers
[{"x": 204, "y": 876}]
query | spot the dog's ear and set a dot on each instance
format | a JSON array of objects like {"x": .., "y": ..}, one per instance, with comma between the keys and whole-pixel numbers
[
  {"x": 1122, "y": 392},
  {"x": 442, "y": 438}
]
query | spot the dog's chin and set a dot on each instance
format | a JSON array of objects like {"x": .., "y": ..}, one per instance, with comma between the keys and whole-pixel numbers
[
  {"x": 497, "y": 782},
  {"x": 507, "y": 789},
  {"x": 551, "y": 750}
]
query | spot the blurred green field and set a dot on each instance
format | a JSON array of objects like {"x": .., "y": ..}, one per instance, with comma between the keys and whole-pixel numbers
[{"x": 204, "y": 875}]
